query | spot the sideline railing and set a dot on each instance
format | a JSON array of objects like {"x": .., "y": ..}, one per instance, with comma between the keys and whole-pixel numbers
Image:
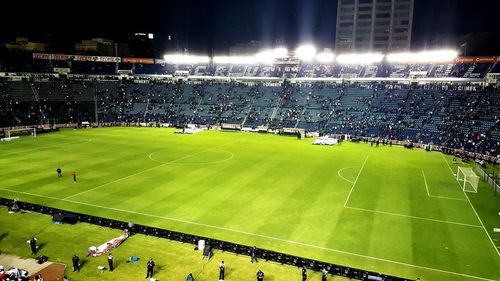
[
  {"x": 487, "y": 178},
  {"x": 240, "y": 249}
]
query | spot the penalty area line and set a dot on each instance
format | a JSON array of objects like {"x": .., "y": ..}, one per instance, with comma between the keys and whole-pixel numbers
[
  {"x": 413, "y": 217},
  {"x": 256, "y": 235},
  {"x": 473, "y": 209},
  {"x": 440, "y": 197}
]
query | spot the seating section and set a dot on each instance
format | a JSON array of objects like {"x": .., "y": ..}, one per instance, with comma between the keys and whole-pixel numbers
[{"x": 439, "y": 114}]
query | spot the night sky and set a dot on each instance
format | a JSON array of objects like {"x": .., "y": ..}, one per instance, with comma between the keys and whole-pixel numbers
[{"x": 213, "y": 26}]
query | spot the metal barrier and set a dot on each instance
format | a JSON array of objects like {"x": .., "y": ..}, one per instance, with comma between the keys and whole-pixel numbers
[
  {"x": 267, "y": 255},
  {"x": 487, "y": 178}
]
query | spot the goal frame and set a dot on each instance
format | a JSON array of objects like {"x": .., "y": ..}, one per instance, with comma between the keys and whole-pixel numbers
[
  {"x": 8, "y": 133},
  {"x": 467, "y": 179}
]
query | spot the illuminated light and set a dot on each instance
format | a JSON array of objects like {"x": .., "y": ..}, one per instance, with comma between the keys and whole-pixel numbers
[
  {"x": 185, "y": 59},
  {"x": 280, "y": 52},
  {"x": 234, "y": 60},
  {"x": 266, "y": 57},
  {"x": 306, "y": 52},
  {"x": 367, "y": 58},
  {"x": 326, "y": 57},
  {"x": 423, "y": 57}
]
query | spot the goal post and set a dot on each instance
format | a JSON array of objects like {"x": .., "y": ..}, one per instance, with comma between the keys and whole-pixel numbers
[
  {"x": 17, "y": 133},
  {"x": 467, "y": 179}
]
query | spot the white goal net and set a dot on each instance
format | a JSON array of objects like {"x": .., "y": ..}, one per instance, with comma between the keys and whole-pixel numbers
[
  {"x": 467, "y": 179},
  {"x": 17, "y": 133}
]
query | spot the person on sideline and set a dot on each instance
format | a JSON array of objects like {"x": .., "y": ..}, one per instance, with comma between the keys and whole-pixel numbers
[
  {"x": 151, "y": 266},
  {"x": 110, "y": 262},
  {"x": 32, "y": 243},
  {"x": 76, "y": 263},
  {"x": 222, "y": 268}
]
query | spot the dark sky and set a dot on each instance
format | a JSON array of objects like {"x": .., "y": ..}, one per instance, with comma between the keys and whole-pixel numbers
[{"x": 216, "y": 24}]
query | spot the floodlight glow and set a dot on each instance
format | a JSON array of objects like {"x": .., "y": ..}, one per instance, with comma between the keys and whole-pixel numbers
[
  {"x": 305, "y": 52},
  {"x": 266, "y": 57},
  {"x": 280, "y": 52},
  {"x": 423, "y": 57},
  {"x": 185, "y": 59},
  {"x": 367, "y": 58},
  {"x": 326, "y": 57},
  {"x": 235, "y": 60}
]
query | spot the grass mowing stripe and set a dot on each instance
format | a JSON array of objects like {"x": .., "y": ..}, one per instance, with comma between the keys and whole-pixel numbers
[
  {"x": 49, "y": 146},
  {"x": 474, "y": 209},
  {"x": 413, "y": 217},
  {"x": 434, "y": 196},
  {"x": 258, "y": 235},
  {"x": 345, "y": 168},
  {"x": 138, "y": 173},
  {"x": 355, "y": 181}
]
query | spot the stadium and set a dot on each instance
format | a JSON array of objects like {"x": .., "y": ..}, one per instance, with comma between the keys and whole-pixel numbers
[{"x": 216, "y": 153}]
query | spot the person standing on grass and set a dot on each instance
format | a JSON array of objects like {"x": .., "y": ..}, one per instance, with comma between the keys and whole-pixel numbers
[
  {"x": 151, "y": 266},
  {"x": 76, "y": 263},
  {"x": 253, "y": 254},
  {"x": 59, "y": 172},
  {"x": 324, "y": 272},
  {"x": 74, "y": 176},
  {"x": 110, "y": 262},
  {"x": 190, "y": 277},
  {"x": 260, "y": 275},
  {"x": 222, "y": 268},
  {"x": 304, "y": 274},
  {"x": 32, "y": 242}
]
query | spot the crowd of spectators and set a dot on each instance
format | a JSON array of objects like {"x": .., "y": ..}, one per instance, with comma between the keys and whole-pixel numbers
[{"x": 455, "y": 116}]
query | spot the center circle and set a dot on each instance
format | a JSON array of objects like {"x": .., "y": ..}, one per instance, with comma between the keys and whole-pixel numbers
[{"x": 209, "y": 156}]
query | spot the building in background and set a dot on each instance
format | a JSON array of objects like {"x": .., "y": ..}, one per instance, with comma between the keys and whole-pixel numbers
[
  {"x": 173, "y": 43},
  {"x": 95, "y": 46},
  {"x": 23, "y": 44},
  {"x": 102, "y": 47},
  {"x": 251, "y": 47},
  {"x": 373, "y": 25}
]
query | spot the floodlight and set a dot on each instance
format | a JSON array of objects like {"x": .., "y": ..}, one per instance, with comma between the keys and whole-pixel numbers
[
  {"x": 185, "y": 59},
  {"x": 367, "y": 58},
  {"x": 305, "y": 52},
  {"x": 423, "y": 57},
  {"x": 266, "y": 57},
  {"x": 234, "y": 60},
  {"x": 280, "y": 52},
  {"x": 325, "y": 57}
]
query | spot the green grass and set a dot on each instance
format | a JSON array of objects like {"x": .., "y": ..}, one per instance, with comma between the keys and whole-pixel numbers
[
  {"x": 173, "y": 260},
  {"x": 274, "y": 192}
]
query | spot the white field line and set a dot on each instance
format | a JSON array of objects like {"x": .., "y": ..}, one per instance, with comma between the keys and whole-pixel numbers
[
  {"x": 426, "y": 187},
  {"x": 49, "y": 146},
  {"x": 355, "y": 181},
  {"x": 338, "y": 173},
  {"x": 413, "y": 217},
  {"x": 138, "y": 173},
  {"x": 150, "y": 156},
  {"x": 441, "y": 197},
  {"x": 256, "y": 235},
  {"x": 126, "y": 177},
  {"x": 472, "y": 206},
  {"x": 448, "y": 164}
]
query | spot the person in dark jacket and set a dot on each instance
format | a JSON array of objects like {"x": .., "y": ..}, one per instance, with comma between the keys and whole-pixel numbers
[
  {"x": 151, "y": 266},
  {"x": 76, "y": 263}
]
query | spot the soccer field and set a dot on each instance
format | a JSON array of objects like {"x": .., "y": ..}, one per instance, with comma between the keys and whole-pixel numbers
[{"x": 385, "y": 209}]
